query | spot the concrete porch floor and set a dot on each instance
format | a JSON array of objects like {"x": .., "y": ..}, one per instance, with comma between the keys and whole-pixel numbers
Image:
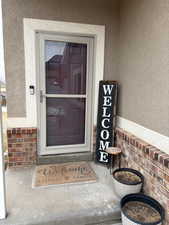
[{"x": 78, "y": 204}]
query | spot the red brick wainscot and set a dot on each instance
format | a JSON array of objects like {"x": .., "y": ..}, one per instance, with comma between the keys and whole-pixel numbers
[
  {"x": 22, "y": 146},
  {"x": 151, "y": 162}
]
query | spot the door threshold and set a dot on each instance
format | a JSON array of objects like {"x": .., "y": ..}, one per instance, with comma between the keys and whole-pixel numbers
[{"x": 64, "y": 158}]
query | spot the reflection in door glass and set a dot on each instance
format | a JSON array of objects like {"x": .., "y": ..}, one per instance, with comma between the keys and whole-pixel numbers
[
  {"x": 65, "y": 64},
  {"x": 65, "y": 121}
]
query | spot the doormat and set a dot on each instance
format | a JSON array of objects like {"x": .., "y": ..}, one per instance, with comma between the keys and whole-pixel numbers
[{"x": 55, "y": 174}]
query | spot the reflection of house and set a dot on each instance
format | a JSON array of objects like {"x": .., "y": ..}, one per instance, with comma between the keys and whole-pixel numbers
[{"x": 67, "y": 72}]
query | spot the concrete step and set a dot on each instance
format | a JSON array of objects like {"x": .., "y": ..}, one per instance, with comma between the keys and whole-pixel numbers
[
  {"x": 82, "y": 221},
  {"x": 64, "y": 158},
  {"x": 71, "y": 204},
  {"x": 114, "y": 222}
]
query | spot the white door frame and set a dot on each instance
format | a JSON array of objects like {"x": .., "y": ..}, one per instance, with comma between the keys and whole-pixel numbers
[
  {"x": 2, "y": 170},
  {"x": 87, "y": 146}
]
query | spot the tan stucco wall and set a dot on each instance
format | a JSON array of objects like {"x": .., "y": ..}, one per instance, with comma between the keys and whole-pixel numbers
[
  {"x": 137, "y": 58},
  {"x": 144, "y": 63},
  {"x": 104, "y": 12}
]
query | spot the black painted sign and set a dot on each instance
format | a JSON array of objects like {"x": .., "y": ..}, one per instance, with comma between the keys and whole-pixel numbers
[{"x": 106, "y": 119}]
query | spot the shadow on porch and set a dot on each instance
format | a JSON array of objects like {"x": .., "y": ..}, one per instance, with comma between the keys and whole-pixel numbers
[{"x": 78, "y": 204}]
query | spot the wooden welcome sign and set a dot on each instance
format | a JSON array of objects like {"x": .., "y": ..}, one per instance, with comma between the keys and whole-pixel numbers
[{"x": 106, "y": 119}]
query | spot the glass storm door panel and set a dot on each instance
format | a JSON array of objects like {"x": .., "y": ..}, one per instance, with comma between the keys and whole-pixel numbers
[
  {"x": 65, "y": 77},
  {"x": 65, "y": 121}
]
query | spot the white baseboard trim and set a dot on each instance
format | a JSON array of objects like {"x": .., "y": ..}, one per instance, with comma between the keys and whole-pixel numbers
[
  {"x": 19, "y": 122},
  {"x": 152, "y": 137}
]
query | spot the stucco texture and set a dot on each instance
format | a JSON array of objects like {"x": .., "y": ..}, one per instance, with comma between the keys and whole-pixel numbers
[
  {"x": 136, "y": 51},
  {"x": 98, "y": 12},
  {"x": 144, "y": 63}
]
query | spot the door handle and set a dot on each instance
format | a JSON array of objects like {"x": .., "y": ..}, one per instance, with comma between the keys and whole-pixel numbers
[{"x": 41, "y": 96}]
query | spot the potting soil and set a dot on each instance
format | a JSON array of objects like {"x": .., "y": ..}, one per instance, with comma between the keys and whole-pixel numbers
[
  {"x": 141, "y": 212},
  {"x": 127, "y": 177}
]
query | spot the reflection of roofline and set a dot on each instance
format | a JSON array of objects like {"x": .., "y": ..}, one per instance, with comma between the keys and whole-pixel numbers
[{"x": 55, "y": 58}]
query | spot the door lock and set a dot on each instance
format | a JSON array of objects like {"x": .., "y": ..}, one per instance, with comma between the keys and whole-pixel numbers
[{"x": 41, "y": 96}]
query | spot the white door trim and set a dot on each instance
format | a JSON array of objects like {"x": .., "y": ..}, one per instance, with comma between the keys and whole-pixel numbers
[
  {"x": 41, "y": 81},
  {"x": 2, "y": 170},
  {"x": 30, "y": 28}
]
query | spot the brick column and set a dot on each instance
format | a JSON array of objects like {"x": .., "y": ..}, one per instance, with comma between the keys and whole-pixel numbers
[{"x": 22, "y": 146}]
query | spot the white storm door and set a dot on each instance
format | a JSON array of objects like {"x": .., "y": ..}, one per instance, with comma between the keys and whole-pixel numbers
[{"x": 65, "y": 86}]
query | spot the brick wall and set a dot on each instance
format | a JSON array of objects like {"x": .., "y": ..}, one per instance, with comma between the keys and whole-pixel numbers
[
  {"x": 151, "y": 162},
  {"x": 22, "y": 146}
]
